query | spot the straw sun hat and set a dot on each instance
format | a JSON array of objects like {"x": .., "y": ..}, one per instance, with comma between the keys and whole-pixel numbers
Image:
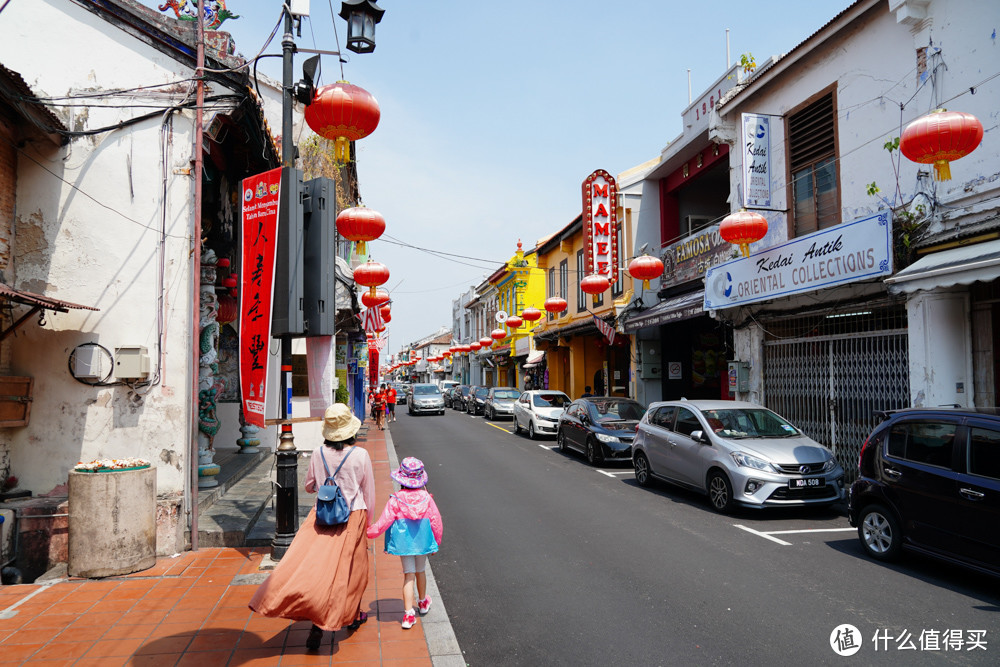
[{"x": 339, "y": 424}]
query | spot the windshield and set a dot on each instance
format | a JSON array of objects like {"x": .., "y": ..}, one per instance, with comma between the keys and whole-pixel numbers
[
  {"x": 425, "y": 389},
  {"x": 506, "y": 394},
  {"x": 550, "y": 400},
  {"x": 749, "y": 423},
  {"x": 609, "y": 411},
  {"x": 482, "y": 392}
]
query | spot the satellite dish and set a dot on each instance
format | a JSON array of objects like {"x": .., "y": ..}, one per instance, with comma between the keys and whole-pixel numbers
[{"x": 501, "y": 316}]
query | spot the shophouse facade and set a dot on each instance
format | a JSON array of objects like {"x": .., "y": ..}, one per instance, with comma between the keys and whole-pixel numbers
[{"x": 823, "y": 331}]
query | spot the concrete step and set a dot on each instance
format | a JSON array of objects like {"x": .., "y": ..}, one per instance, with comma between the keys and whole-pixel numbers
[
  {"x": 234, "y": 465},
  {"x": 231, "y": 509}
]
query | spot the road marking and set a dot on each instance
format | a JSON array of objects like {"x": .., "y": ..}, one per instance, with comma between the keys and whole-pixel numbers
[
  {"x": 612, "y": 473},
  {"x": 811, "y": 530},
  {"x": 501, "y": 428},
  {"x": 764, "y": 535},
  {"x": 548, "y": 447}
]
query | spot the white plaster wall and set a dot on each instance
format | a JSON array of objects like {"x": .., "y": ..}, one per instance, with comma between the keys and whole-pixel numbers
[{"x": 91, "y": 236}]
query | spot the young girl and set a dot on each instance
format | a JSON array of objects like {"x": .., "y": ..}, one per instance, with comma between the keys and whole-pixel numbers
[{"x": 415, "y": 530}]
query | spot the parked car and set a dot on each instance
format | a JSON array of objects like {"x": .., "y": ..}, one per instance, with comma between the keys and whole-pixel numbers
[
  {"x": 500, "y": 402},
  {"x": 447, "y": 393},
  {"x": 458, "y": 395},
  {"x": 426, "y": 398},
  {"x": 602, "y": 427},
  {"x": 929, "y": 481},
  {"x": 475, "y": 400},
  {"x": 448, "y": 385},
  {"x": 737, "y": 453},
  {"x": 538, "y": 412},
  {"x": 400, "y": 393}
]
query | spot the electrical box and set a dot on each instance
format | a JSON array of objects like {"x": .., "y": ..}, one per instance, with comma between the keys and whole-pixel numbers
[
  {"x": 131, "y": 363},
  {"x": 651, "y": 366},
  {"x": 319, "y": 284},
  {"x": 88, "y": 363},
  {"x": 286, "y": 317},
  {"x": 298, "y": 7},
  {"x": 739, "y": 376}
]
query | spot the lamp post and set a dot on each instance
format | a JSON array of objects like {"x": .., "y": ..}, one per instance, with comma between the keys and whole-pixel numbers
[{"x": 361, "y": 17}]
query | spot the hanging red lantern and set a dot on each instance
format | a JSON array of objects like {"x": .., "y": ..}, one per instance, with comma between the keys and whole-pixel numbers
[
  {"x": 743, "y": 228},
  {"x": 446, "y": 353},
  {"x": 475, "y": 346},
  {"x": 386, "y": 313},
  {"x": 371, "y": 274},
  {"x": 486, "y": 342},
  {"x": 594, "y": 284},
  {"x": 371, "y": 301},
  {"x": 939, "y": 138},
  {"x": 555, "y": 304},
  {"x": 645, "y": 268},
  {"x": 514, "y": 322},
  {"x": 360, "y": 224},
  {"x": 343, "y": 113},
  {"x": 531, "y": 314},
  {"x": 231, "y": 281},
  {"x": 498, "y": 334},
  {"x": 229, "y": 309}
]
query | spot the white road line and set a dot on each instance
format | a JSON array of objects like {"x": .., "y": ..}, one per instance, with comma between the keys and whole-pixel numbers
[
  {"x": 612, "y": 473},
  {"x": 605, "y": 472},
  {"x": 764, "y": 535},
  {"x": 549, "y": 447},
  {"x": 811, "y": 530}
]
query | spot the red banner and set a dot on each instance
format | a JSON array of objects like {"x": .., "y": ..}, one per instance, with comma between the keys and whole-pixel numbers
[{"x": 260, "y": 229}]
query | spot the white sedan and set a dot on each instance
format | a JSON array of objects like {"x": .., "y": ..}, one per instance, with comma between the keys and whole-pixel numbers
[{"x": 538, "y": 411}]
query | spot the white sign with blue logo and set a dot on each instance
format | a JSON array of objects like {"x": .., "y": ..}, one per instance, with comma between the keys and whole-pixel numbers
[
  {"x": 756, "y": 160},
  {"x": 843, "y": 254}
]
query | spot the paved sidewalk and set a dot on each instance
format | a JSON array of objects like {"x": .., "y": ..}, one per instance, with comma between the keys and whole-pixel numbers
[{"x": 191, "y": 609}]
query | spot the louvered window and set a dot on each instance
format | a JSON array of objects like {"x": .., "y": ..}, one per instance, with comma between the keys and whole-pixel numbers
[
  {"x": 581, "y": 296},
  {"x": 812, "y": 157}
]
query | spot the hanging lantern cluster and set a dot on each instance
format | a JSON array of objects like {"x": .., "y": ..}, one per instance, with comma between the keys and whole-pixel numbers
[
  {"x": 386, "y": 313},
  {"x": 743, "y": 228},
  {"x": 941, "y": 137},
  {"x": 645, "y": 268},
  {"x": 371, "y": 301},
  {"x": 343, "y": 113},
  {"x": 360, "y": 224},
  {"x": 371, "y": 274}
]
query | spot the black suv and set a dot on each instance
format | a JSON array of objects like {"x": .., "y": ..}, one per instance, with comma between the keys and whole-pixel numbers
[
  {"x": 458, "y": 395},
  {"x": 475, "y": 401},
  {"x": 929, "y": 481}
]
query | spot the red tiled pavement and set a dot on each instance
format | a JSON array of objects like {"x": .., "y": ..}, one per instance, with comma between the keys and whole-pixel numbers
[{"x": 187, "y": 611}]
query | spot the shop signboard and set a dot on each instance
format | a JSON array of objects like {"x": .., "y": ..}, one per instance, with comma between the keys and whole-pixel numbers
[
  {"x": 841, "y": 254},
  {"x": 756, "y": 143},
  {"x": 600, "y": 224},
  {"x": 692, "y": 256},
  {"x": 259, "y": 222}
]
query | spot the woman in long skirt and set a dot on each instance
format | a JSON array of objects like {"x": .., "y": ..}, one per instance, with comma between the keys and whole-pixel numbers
[{"x": 324, "y": 573}]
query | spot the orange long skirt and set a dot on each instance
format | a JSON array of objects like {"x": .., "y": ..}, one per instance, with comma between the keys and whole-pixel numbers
[{"x": 321, "y": 577}]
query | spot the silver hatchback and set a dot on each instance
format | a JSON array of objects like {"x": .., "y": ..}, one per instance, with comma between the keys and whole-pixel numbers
[{"x": 737, "y": 453}]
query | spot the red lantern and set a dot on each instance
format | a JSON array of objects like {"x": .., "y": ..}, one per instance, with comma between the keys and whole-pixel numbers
[
  {"x": 386, "y": 314},
  {"x": 465, "y": 348},
  {"x": 475, "y": 346},
  {"x": 232, "y": 280},
  {"x": 531, "y": 314},
  {"x": 940, "y": 137},
  {"x": 371, "y": 274},
  {"x": 486, "y": 342},
  {"x": 498, "y": 334},
  {"x": 371, "y": 301},
  {"x": 343, "y": 113},
  {"x": 514, "y": 321},
  {"x": 594, "y": 284},
  {"x": 743, "y": 228},
  {"x": 360, "y": 224},
  {"x": 555, "y": 304},
  {"x": 446, "y": 353},
  {"x": 229, "y": 309},
  {"x": 645, "y": 268}
]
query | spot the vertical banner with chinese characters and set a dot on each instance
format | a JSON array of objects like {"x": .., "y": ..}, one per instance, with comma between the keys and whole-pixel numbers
[
  {"x": 756, "y": 160},
  {"x": 600, "y": 224},
  {"x": 259, "y": 220}
]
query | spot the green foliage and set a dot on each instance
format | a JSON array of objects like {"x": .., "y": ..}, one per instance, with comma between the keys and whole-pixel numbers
[
  {"x": 872, "y": 189},
  {"x": 891, "y": 145},
  {"x": 342, "y": 395},
  {"x": 748, "y": 63}
]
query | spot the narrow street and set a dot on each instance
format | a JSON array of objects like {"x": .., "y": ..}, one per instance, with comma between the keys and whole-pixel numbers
[{"x": 547, "y": 560}]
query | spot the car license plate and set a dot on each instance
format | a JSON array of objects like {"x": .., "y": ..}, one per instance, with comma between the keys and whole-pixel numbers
[{"x": 807, "y": 483}]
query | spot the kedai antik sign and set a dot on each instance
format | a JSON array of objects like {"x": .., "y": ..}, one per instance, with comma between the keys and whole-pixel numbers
[{"x": 842, "y": 254}]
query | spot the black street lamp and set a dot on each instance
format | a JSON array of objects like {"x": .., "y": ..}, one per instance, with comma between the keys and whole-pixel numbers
[{"x": 361, "y": 17}]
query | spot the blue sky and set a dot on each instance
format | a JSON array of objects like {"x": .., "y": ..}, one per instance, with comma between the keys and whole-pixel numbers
[{"x": 493, "y": 113}]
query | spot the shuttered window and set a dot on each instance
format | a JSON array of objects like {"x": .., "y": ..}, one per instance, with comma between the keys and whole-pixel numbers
[
  {"x": 812, "y": 158},
  {"x": 581, "y": 296}
]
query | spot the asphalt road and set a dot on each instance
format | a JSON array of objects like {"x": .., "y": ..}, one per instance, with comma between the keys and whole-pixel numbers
[{"x": 548, "y": 561}]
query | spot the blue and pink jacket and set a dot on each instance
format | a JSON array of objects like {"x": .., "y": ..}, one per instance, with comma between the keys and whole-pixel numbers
[{"x": 411, "y": 523}]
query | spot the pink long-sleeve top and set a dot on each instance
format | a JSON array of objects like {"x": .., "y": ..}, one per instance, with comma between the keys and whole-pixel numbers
[
  {"x": 356, "y": 479},
  {"x": 413, "y": 504}
]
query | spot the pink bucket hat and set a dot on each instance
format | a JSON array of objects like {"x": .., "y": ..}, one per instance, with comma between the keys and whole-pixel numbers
[{"x": 410, "y": 473}]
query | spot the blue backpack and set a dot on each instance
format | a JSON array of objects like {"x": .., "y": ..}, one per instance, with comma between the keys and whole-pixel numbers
[{"x": 331, "y": 506}]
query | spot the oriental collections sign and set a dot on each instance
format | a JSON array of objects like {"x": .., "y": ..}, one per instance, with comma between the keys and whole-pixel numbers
[
  {"x": 600, "y": 224},
  {"x": 259, "y": 222},
  {"x": 842, "y": 254},
  {"x": 756, "y": 160}
]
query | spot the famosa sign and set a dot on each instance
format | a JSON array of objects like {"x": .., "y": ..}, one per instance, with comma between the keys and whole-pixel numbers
[{"x": 842, "y": 254}]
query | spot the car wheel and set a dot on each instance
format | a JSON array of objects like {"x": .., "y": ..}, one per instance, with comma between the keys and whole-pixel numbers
[
  {"x": 517, "y": 425},
  {"x": 720, "y": 492},
  {"x": 593, "y": 453},
  {"x": 642, "y": 474},
  {"x": 531, "y": 430},
  {"x": 488, "y": 414},
  {"x": 879, "y": 533},
  {"x": 561, "y": 441}
]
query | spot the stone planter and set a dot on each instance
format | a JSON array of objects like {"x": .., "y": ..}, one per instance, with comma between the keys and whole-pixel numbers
[{"x": 112, "y": 522}]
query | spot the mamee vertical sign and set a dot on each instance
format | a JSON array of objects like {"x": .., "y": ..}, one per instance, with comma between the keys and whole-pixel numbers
[
  {"x": 756, "y": 160},
  {"x": 600, "y": 224},
  {"x": 259, "y": 217}
]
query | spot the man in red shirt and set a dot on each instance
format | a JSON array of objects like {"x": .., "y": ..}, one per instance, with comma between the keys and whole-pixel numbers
[{"x": 390, "y": 404}]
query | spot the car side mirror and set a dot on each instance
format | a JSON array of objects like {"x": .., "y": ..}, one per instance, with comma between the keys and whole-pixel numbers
[
  {"x": 584, "y": 419},
  {"x": 699, "y": 436}
]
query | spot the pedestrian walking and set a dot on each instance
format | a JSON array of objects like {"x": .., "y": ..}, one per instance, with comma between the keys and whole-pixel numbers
[
  {"x": 586, "y": 392},
  {"x": 414, "y": 530},
  {"x": 390, "y": 404},
  {"x": 378, "y": 407},
  {"x": 323, "y": 575}
]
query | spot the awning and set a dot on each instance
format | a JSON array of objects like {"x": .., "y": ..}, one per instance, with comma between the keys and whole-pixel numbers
[
  {"x": 679, "y": 308},
  {"x": 38, "y": 302},
  {"x": 534, "y": 358},
  {"x": 957, "y": 266}
]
